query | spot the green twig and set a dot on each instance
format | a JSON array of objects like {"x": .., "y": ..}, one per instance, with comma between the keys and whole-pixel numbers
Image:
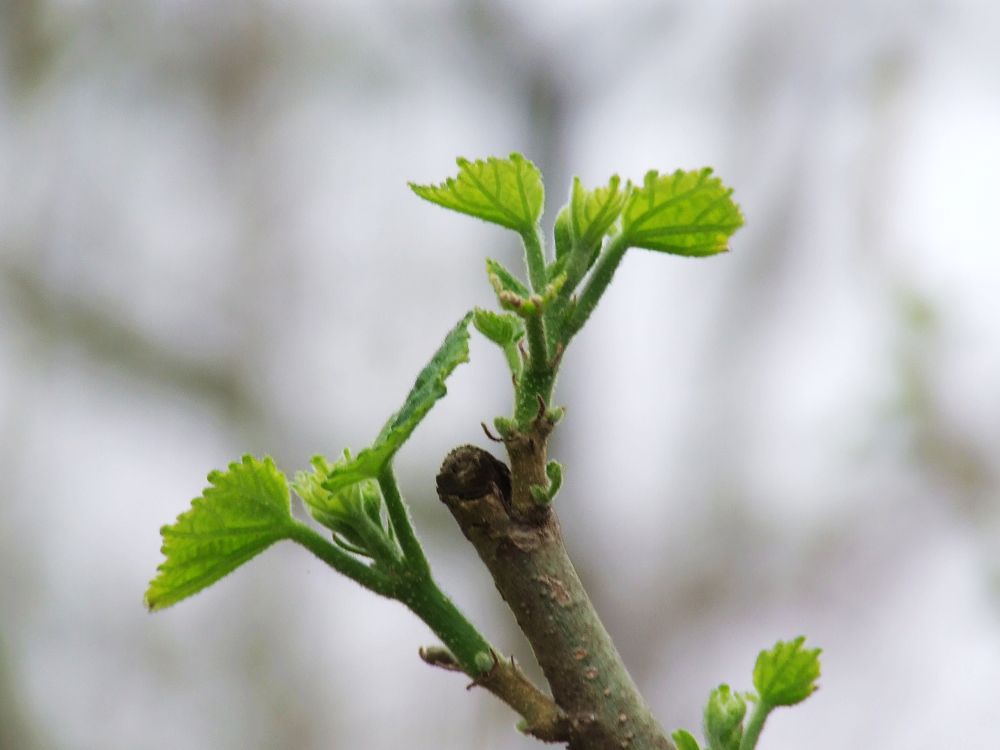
[
  {"x": 340, "y": 561},
  {"x": 597, "y": 284},
  {"x": 755, "y": 725},
  {"x": 534, "y": 391},
  {"x": 472, "y": 651},
  {"x": 534, "y": 257},
  {"x": 538, "y": 375},
  {"x": 538, "y": 351},
  {"x": 399, "y": 516}
]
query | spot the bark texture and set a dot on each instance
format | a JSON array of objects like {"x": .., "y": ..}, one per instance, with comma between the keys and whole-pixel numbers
[{"x": 522, "y": 545}]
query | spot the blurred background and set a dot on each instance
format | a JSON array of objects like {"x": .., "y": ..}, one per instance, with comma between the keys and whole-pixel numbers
[{"x": 207, "y": 247}]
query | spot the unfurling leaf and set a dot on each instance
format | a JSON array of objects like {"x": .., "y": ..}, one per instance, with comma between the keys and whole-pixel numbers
[
  {"x": 724, "y": 714},
  {"x": 594, "y": 212},
  {"x": 350, "y": 512},
  {"x": 244, "y": 511},
  {"x": 786, "y": 674},
  {"x": 425, "y": 392},
  {"x": 684, "y": 213},
  {"x": 507, "y": 192}
]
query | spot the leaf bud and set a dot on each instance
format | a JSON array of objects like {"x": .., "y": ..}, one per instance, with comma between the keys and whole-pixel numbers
[{"x": 724, "y": 714}]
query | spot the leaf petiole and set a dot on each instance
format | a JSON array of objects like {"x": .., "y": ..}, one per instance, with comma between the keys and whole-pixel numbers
[
  {"x": 534, "y": 258},
  {"x": 369, "y": 577},
  {"x": 399, "y": 517},
  {"x": 604, "y": 270},
  {"x": 755, "y": 726}
]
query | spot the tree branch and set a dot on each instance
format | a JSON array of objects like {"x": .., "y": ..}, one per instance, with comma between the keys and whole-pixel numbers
[
  {"x": 533, "y": 573},
  {"x": 542, "y": 717}
]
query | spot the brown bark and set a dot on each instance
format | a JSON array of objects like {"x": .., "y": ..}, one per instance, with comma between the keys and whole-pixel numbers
[{"x": 523, "y": 549}]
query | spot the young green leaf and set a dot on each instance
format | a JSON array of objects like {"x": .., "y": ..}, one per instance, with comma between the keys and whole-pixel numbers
[
  {"x": 503, "y": 330},
  {"x": 786, "y": 674},
  {"x": 593, "y": 212},
  {"x": 244, "y": 511},
  {"x": 507, "y": 192},
  {"x": 685, "y": 740},
  {"x": 684, "y": 213},
  {"x": 429, "y": 387},
  {"x": 500, "y": 328}
]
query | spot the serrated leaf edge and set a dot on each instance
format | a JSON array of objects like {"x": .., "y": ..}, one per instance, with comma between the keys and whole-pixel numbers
[
  {"x": 253, "y": 534},
  {"x": 473, "y": 169}
]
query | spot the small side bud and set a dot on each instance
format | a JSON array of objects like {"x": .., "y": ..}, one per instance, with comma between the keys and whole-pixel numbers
[
  {"x": 511, "y": 301},
  {"x": 554, "y": 415},
  {"x": 545, "y": 495},
  {"x": 540, "y": 495},
  {"x": 484, "y": 662},
  {"x": 724, "y": 719},
  {"x": 553, "y": 470},
  {"x": 555, "y": 286},
  {"x": 504, "y": 427}
]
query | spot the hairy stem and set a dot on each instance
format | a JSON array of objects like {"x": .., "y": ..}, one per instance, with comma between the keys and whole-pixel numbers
[
  {"x": 528, "y": 561},
  {"x": 755, "y": 726},
  {"x": 472, "y": 651},
  {"x": 400, "y": 518},
  {"x": 533, "y": 390},
  {"x": 538, "y": 348},
  {"x": 597, "y": 284},
  {"x": 534, "y": 256},
  {"x": 340, "y": 561}
]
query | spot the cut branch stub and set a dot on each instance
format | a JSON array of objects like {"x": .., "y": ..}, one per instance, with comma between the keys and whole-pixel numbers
[{"x": 533, "y": 573}]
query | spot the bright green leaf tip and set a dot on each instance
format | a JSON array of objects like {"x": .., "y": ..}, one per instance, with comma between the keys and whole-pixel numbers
[
  {"x": 508, "y": 192},
  {"x": 244, "y": 511},
  {"x": 786, "y": 674}
]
